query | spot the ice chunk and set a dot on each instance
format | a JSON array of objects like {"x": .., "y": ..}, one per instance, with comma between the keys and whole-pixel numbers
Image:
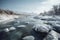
[
  {"x": 12, "y": 28},
  {"x": 28, "y": 38},
  {"x": 21, "y": 26},
  {"x": 6, "y": 30}
]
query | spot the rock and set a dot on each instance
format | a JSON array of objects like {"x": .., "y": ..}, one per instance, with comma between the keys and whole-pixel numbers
[
  {"x": 56, "y": 27},
  {"x": 51, "y": 36},
  {"x": 15, "y": 35},
  {"x": 42, "y": 28},
  {"x": 4, "y": 35},
  {"x": 38, "y": 35}
]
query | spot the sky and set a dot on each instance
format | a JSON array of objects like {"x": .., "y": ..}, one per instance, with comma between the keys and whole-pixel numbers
[{"x": 30, "y": 6}]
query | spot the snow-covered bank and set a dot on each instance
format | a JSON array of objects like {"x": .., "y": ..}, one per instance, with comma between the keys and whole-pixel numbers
[{"x": 6, "y": 17}]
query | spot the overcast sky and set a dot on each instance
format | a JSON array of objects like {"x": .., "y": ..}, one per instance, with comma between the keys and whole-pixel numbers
[{"x": 35, "y": 6}]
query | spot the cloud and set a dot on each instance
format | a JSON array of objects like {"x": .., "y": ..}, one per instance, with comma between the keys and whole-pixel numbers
[{"x": 46, "y": 5}]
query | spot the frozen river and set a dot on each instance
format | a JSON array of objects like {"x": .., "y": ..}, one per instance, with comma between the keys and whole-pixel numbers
[{"x": 30, "y": 21}]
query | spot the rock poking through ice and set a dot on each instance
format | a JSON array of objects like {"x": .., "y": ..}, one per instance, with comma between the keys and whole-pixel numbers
[
  {"x": 42, "y": 28},
  {"x": 51, "y": 36}
]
